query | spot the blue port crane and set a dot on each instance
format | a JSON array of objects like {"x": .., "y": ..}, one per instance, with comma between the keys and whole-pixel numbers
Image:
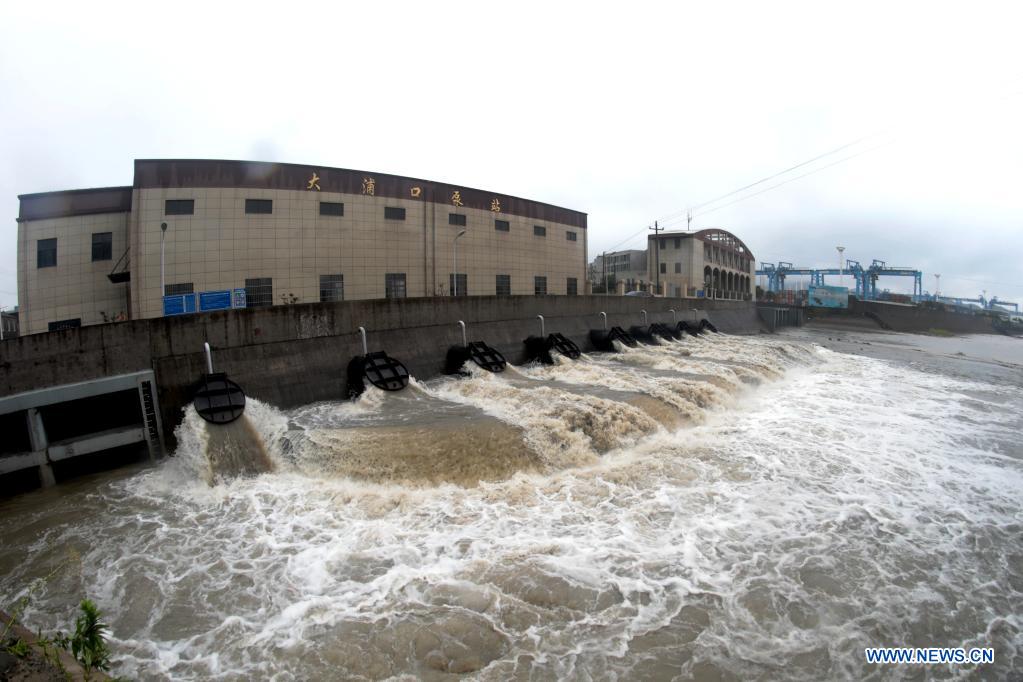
[
  {"x": 865, "y": 279},
  {"x": 1004, "y": 304},
  {"x": 881, "y": 269},
  {"x": 987, "y": 304}
]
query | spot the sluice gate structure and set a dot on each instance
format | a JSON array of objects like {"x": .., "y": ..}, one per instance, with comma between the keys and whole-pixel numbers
[
  {"x": 287, "y": 355},
  {"x": 46, "y": 427}
]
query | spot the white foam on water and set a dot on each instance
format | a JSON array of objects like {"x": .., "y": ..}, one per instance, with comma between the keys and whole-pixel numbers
[{"x": 850, "y": 503}]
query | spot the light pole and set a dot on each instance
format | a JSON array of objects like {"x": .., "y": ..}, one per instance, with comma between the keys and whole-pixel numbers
[
  {"x": 841, "y": 268},
  {"x": 2, "y": 322},
  {"x": 454, "y": 275},
  {"x": 163, "y": 271},
  {"x": 937, "y": 281}
]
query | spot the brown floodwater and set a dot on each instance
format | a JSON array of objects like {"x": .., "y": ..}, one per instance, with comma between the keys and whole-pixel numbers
[{"x": 720, "y": 508}]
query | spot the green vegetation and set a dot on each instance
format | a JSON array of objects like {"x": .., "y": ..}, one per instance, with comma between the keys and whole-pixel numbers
[
  {"x": 933, "y": 331},
  {"x": 88, "y": 644},
  {"x": 19, "y": 649},
  {"x": 51, "y": 651}
]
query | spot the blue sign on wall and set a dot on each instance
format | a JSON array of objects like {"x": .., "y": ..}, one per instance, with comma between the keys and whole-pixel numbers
[
  {"x": 214, "y": 300},
  {"x": 181, "y": 304},
  {"x": 828, "y": 297},
  {"x": 207, "y": 300}
]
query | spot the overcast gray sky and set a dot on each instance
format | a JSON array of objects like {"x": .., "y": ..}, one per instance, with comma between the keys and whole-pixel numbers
[{"x": 630, "y": 112}]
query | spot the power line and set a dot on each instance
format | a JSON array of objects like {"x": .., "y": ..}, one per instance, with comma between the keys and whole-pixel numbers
[
  {"x": 672, "y": 216},
  {"x": 688, "y": 212},
  {"x": 628, "y": 239},
  {"x": 798, "y": 177}
]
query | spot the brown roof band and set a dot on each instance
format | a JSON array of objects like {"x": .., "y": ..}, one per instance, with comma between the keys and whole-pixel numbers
[
  {"x": 199, "y": 173},
  {"x": 74, "y": 202}
]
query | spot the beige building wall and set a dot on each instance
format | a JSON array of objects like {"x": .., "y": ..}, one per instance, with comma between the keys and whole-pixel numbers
[
  {"x": 77, "y": 286},
  {"x": 218, "y": 245},
  {"x": 221, "y": 246},
  {"x": 693, "y": 256}
]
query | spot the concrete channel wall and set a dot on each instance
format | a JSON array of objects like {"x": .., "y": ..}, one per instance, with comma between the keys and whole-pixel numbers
[
  {"x": 900, "y": 317},
  {"x": 294, "y": 355},
  {"x": 774, "y": 316}
]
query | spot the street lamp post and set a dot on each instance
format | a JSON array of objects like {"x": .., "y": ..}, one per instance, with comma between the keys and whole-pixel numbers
[
  {"x": 841, "y": 266},
  {"x": 937, "y": 281},
  {"x": 454, "y": 275}
]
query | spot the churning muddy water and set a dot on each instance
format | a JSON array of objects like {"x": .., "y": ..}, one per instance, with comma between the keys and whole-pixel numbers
[{"x": 716, "y": 508}]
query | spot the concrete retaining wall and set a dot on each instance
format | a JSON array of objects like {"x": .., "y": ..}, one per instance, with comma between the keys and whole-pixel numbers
[
  {"x": 294, "y": 355},
  {"x": 911, "y": 318}
]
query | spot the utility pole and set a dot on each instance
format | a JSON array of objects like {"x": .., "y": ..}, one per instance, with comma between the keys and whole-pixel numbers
[
  {"x": 841, "y": 269},
  {"x": 689, "y": 220},
  {"x": 937, "y": 281},
  {"x": 657, "y": 249}
]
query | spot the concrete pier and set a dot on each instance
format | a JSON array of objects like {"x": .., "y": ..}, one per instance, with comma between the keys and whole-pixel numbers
[{"x": 73, "y": 412}]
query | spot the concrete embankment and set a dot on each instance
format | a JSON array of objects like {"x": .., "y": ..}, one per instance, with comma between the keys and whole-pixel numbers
[
  {"x": 294, "y": 355},
  {"x": 907, "y": 318}
]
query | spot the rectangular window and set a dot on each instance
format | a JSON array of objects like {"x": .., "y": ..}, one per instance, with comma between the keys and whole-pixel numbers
[
  {"x": 571, "y": 236},
  {"x": 46, "y": 253},
  {"x": 394, "y": 285},
  {"x": 678, "y": 268},
  {"x": 259, "y": 292},
  {"x": 332, "y": 208},
  {"x": 540, "y": 286},
  {"x": 102, "y": 246},
  {"x": 394, "y": 213},
  {"x": 179, "y": 289},
  {"x": 264, "y": 206},
  {"x": 65, "y": 324},
  {"x": 572, "y": 286},
  {"x": 461, "y": 280},
  {"x": 539, "y": 231},
  {"x": 456, "y": 219},
  {"x": 502, "y": 226},
  {"x": 503, "y": 285},
  {"x": 179, "y": 207},
  {"x": 664, "y": 268},
  {"x": 332, "y": 288},
  {"x": 678, "y": 242}
]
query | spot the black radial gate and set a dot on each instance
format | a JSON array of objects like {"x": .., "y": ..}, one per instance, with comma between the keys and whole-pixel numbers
[
  {"x": 486, "y": 357},
  {"x": 565, "y": 346},
  {"x": 385, "y": 372},
  {"x": 219, "y": 400}
]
